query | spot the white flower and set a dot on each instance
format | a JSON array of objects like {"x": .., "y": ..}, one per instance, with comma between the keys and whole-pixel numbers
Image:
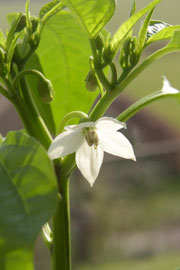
[
  {"x": 90, "y": 140},
  {"x": 167, "y": 88}
]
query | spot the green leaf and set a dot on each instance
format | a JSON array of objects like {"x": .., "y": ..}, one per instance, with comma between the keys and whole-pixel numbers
[
  {"x": 47, "y": 7},
  {"x": 175, "y": 41},
  {"x": 12, "y": 31},
  {"x": 2, "y": 39},
  {"x": 127, "y": 25},
  {"x": 49, "y": 10},
  {"x": 143, "y": 31},
  {"x": 28, "y": 198},
  {"x": 133, "y": 8},
  {"x": 12, "y": 17},
  {"x": 11, "y": 51},
  {"x": 63, "y": 54},
  {"x": 160, "y": 31},
  {"x": 44, "y": 109},
  {"x": 92, "y": 14}
]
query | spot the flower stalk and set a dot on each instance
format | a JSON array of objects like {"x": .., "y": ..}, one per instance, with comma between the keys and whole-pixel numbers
[{"x": 61, "y": 255}]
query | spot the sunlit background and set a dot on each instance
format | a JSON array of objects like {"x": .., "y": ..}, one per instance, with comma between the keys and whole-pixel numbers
[{"x": 130, "y": 219}]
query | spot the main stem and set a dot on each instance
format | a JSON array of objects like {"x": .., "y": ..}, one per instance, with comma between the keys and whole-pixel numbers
[{"x": 61, "y": 256}]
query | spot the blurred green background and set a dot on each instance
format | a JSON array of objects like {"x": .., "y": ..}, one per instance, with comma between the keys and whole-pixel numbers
[{"x": 130, "y": 219}]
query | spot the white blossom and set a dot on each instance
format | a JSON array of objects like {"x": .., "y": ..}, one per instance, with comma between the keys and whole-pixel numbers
[
  {"x": 89, "y": 141},
  {"x": 167, "y": 88}
]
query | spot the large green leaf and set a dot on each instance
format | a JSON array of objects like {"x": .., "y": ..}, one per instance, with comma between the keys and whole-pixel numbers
[
  {"x": 28, "y": 198},
  {"x": 64, "y": 57},
  {"x": 92, "y": 14},
  {"x": 127, "y": 25}
]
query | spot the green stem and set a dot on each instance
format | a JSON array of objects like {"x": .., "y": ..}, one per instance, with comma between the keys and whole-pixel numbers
[
  {"x": 61, "y": 257},
  {"x": 137, "y": 106},
  {"x": 4, "y": 92},
  {"x": 69, "y": 116},
  {"x": 24, "y": 72},
  {"x": 98, "y": 68},
  {"x": 110, "y": 96},
  {"x": 35, "y": 121}
]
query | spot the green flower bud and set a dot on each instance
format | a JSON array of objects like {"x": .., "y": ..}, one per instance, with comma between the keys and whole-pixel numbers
[
  {"x": 108, "y": 53},
  {"x": 91, "y": 82},
  {"x": 21, "y": 24},
  {"x": 45, "y": 90},
  {"x": 99, "y": 41},
  {"x": 129, "y": 54},
  {"x": 34, "y": 22},
  {"x": 134, "y": 54}
]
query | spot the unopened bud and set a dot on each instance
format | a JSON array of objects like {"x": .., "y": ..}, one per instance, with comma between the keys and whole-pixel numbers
[
  {"x": 129, "y": 55},
  {"x": 21, "y": 24},
  {"x": 91, "y": 82},
  {"x": 108, "y": 53},
  {"x": 34, "y": 22},
  {"x": 45, "y": 90},
  {"x": 99, "y": 41}
]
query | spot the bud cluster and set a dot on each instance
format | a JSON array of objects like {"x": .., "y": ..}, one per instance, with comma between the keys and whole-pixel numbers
[{"x": 129, "y": 55}]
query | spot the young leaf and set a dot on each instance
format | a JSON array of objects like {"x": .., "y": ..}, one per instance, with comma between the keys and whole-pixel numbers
[
  {"x": 92, "y": 15},
  {"x": 49, "y": 10},
  {"x": 143, "y": 31},
  {"x": 11, "y": 51},
  {"x": 127, "y": 25},
  {"x": 12, "y": 31},
  {"x": 133, "y": 8},
  {"x": 155, "y": 26},
  {"x": 12, "y": 17},
  {"x": 160, "y": 31},
  {"x": 174, "y": 42},
  {"x": 47, "y": 7},
  {"x": 28, "y": 198},
  {"x": 2, "y": 39},
  {"x": 63, "y": 53}
]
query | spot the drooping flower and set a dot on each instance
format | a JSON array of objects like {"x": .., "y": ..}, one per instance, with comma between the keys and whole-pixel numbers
[
  {"x": 167, "y": 88},
  {"x": 90, "y": 140}
]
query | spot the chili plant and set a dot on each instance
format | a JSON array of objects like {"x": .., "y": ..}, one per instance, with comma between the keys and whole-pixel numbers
[{"x": 59, "y": 66}]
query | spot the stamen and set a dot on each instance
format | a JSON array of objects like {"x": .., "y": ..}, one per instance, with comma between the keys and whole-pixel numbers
[{"x": 91, "y": 136}]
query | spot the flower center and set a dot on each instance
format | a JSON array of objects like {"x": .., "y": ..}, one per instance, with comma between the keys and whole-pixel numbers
[{"x": 91, "y": 136}]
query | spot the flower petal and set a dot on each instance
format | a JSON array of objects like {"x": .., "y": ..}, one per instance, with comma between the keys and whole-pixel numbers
[
  {"x": 167, "y": 88},
  {"x": 109, "y": 124},
  {"x": 117, "y": 144},
  {"x": 89, "y": 161},
  {"x": 80, "y": 126},
  {"x": 65, "y": 143}
]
